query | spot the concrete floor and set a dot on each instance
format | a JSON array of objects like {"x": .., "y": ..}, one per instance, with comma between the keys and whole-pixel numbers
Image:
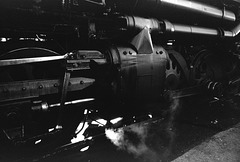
[{"x": 222, "y": 147}]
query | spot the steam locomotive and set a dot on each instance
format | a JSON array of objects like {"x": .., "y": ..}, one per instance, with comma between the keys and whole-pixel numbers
[{"x": 63, "y": 60}]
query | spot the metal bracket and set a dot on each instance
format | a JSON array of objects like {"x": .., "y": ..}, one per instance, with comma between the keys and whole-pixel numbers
[{"x": 66, "y": 79}]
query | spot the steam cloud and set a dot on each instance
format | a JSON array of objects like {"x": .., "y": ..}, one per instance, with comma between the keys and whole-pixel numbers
[
  {"x": 150, "y": 143},
  {"x": 133, "y": 140}
]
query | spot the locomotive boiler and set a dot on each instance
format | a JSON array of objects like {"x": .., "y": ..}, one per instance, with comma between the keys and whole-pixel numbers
[{"x": 63, "y": 60}]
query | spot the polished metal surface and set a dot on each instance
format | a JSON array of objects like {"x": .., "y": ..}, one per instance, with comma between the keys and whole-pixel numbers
[
  {"x": 140, "y": 23},
  {"x": 139, "y": 6},
  {"x": 156, "y": 25},
  {"x": 200, "y": 8},
  {"x": 190, "y": 29},
  {"x": 171, "y": 27},
  {"x": 232, "y": 33},
  {"x": 19, "y": 61}
]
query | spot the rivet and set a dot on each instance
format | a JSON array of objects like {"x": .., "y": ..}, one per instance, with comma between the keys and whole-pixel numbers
[
  {"x": 40, "y": 87},
  {"x": 125, "y": 52},
  {"x": 55, "y": 85},
  {"x": 24, "y": 88},
  {"x": 75, "y": 65},
  {"x": 83, "y": 56},
  {"x": 81, "y": 82}
]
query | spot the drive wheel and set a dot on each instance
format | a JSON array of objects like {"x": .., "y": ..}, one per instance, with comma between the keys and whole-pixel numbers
[
  {"x": 177, "y": 72},
  {"x": 20, "y": 126}
]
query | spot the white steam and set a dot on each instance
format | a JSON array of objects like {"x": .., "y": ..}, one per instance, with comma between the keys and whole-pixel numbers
[
  {"x": 133, "y": 140},
  {"x": 116, "y": 136},
  {"x": 136, "y": 138}
]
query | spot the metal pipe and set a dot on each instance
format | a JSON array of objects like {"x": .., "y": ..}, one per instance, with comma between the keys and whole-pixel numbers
[
  {"x": 200, "y": 8},
  {"x": 140, "y": 23},
  {"x": 8, "y": 62},
  {"x": 154, "y": 24},
  {"x": 170, "y": 27},
  {"x": 72, "y": 102},
  {"x": 233, "y": 33},
  {"x": 147, "y": 7}
]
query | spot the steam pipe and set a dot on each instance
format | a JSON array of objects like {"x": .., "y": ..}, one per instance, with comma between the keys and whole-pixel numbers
[
  {"x": 234, "y": 32},
  {"x": 200, "y": 8},
  {"x": 140, "y": 23},
  {"x": 166, "y": 26},
  {"x": 170, "y": 27},
  {"x": 140, "y": 6}
]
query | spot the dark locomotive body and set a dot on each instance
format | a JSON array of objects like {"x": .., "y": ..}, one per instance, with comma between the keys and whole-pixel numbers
[{"x": 112, "y": 57}]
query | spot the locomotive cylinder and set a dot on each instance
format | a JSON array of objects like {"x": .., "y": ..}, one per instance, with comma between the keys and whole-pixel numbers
[{"x": 142, "y": 76}]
